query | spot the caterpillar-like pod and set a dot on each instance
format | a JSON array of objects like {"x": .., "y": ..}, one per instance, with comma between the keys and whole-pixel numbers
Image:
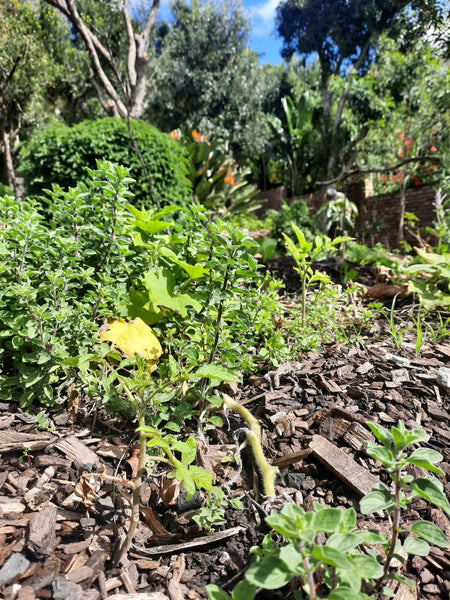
[{"x": 268, "y": 472}]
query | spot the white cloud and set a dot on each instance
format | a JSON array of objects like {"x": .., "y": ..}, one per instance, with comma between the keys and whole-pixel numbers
[{"x": 263, "y": 18}]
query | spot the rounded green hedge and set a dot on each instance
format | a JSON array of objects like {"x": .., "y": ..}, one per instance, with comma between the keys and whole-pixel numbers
[{"x": 60, "y": 155}]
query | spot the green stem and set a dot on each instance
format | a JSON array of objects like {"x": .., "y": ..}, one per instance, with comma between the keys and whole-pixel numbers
[{"x": 268, "y": 472}]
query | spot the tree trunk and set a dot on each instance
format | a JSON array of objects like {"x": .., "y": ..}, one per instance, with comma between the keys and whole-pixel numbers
[
  {"x": 7, "y": 145},
  {"x": 120, "y": 94}
]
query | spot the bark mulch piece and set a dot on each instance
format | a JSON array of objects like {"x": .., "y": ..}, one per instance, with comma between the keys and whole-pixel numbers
[{"x": 59, "y": 524}]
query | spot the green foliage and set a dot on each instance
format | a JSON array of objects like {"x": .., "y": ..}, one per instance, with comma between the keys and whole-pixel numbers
[
  {"x": 59, "y": 155},
  {"x": 58, "y": 275},
  {"x": 217, "y": 182},
  {"x": 378, "y": 255},
  {"x": 208, "y": 79},
  {"x": 296, "y": 212},
  {"x": 204, "y": 292},
  {"x": 432, "y": 278},
  {"x": 304, "y": 252},
  {"x": 347, "y": 562},
  {"x": 290, "y": 139}
]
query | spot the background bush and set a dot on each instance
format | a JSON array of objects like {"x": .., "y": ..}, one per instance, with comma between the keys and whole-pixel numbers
[
  {"x": 298, "y": 213},
  {"x": 60, "y": 155}
]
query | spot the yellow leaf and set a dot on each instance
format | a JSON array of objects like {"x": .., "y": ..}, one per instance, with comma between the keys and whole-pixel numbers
[{"x": 135, "y": 337}]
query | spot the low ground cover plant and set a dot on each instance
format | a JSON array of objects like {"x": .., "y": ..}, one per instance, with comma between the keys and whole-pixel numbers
[
  {"x": 323, "y": 554},
  {"x": 92, "y": 256}
]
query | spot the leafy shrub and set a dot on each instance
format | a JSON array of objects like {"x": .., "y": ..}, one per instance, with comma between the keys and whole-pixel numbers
[
  {"x": 86, "y": 260},
  {"x": 60, "y": 155},
  {"x": 217, "y": 181},
  {"x": 297, "y": 213},
  {"x": 59, "y": 275}
]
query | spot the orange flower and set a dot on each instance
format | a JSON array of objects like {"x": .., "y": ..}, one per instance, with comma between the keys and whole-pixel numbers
[
  {"x": 175, "y": 134},
  {"x": 229, "y": 177}
]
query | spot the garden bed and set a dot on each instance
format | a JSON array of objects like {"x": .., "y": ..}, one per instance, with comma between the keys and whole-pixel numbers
[{"x": 313, "y": 411}]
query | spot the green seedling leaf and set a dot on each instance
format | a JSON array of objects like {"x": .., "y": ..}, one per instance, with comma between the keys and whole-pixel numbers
[
  {"x": 331, "y": 556},
  {"x": 416, "y": 546},
  {"x": 244, "y": 590},
  {"x": 327, "y": 520},
  {"x": 431, "y": 533},
  {"x": 348, "y": 521},
  {"x": 429, "y": 488},
  {"x": 426, "y": 458},
  {"x": 188, "y": 450},
  {"x": 215, "y": 593},
  {"x": 345, "y": 593},
  {"x": 343, "y": 541},
  {"x": 216, "y": 372},
  {"x": 367, "y": 567},
  {"x": 384, "y": 455},
  {"x": 401, "y": 579},
  {"x": 269, "y": 574},
  {"x": 380, "y": 432},
  {"x": 379, "y": 499},
  {"x": 292, "y": 558}
]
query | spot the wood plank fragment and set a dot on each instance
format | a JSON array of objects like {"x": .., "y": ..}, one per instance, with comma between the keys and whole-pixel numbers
[
  {"x": 82, "y": 456},
  {"x": 10, "y": 505},
  {"x": 16, "y": 565},
  {"x": 15, "y": 440},
  {"x": 204, "y": 540},
  {"x": 140, "y": 596},
  {"x": 289, "y": 459},
  {"x": 343, "y": 465}
]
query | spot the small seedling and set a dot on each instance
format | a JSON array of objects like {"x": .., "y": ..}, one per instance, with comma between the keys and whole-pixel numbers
[{"x": 324, "y": 555}]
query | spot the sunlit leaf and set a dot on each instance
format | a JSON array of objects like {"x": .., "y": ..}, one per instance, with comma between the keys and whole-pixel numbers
[{"x": 135, "y": 337}]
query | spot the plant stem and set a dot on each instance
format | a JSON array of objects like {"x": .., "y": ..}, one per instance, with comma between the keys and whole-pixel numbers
[
  {"x": 268, "y": 472},
  {"x": 134, "y": 520}
]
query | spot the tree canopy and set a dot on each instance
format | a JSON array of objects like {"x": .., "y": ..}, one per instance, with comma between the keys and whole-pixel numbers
[{"x": 342, "y": 35}]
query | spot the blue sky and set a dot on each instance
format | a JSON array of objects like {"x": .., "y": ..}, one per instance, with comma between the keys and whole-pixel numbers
[{"x": 262, "y": 33}]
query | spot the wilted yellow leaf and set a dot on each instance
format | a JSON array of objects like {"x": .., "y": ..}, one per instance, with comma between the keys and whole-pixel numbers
[{"x": 135, "y": 337}]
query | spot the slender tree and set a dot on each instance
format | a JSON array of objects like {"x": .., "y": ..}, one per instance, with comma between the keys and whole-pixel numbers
[{"x": 121, "y": 87}]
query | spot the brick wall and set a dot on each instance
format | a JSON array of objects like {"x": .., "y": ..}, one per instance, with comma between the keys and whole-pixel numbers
[{"x": 379, "y": 216}]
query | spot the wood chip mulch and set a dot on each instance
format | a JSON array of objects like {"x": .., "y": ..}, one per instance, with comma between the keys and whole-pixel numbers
[{"x": 59, "y": 523}]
